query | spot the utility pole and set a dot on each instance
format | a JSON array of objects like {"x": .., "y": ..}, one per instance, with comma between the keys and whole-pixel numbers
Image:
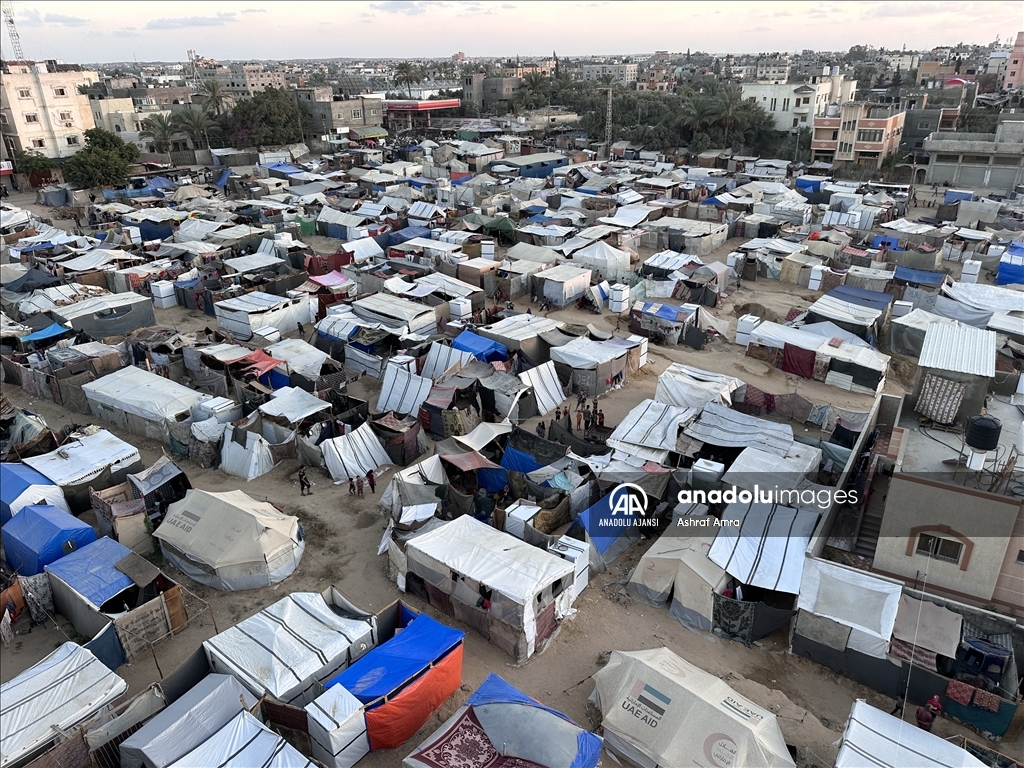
[
  {"x": 12, "y": 31},
  {"x": 608, "y": 126}
]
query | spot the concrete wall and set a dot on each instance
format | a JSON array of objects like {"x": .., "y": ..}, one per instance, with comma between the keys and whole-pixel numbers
[{"x": 982, "y": 522}]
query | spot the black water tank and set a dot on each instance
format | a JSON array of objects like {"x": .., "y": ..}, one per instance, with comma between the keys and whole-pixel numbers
[{"x": 983, "y": 432}]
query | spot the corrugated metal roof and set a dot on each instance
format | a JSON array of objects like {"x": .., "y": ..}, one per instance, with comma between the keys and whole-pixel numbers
[{"x": 960, "y": 349}]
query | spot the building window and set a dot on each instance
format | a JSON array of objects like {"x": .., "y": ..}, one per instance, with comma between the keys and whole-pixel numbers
[
  {"x": 31, "y": 117},
  {"x": 38, "y": 143},
  {"x": 947, "y": 158},
  {"x": 1005, "y": 160},
  {"x": 924, "y": 125},
  {"x": 373, "y": 113},
  {"x": 835, "y": 135},
  {"x": 869, "y": 136},
  {"x": 772, "y": 108},
  {"x": 1020, "y": 555},
  {"x": 60, "y": 92},
  {"x": 803, "y": 118},
  {"x": 785, "y": 105},
  {"x": 97, "y": 115},
  {"x": 73, "y": 141},
  {"x": 357, "y": 114},
  {"x": 24, "y": 93},
  {"x": 117, "y": 128},
  {"x": 65, "y": 116},
  {"x": 939, "y": 548},
  {"x": 976, "y": 159}
]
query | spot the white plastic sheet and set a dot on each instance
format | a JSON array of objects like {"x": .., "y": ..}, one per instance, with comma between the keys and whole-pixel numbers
[{"x": 354, "y": 454}]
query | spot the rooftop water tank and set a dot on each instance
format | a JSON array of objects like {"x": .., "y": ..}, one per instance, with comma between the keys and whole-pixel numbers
[{"x": 983, "y": 432}]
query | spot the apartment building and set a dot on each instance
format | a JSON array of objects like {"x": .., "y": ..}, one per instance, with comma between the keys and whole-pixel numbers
[
  {"x": 764, "y": 69},
  {"x": 657, "y": 78},
  {"x": 858, "y": 133},
  {"x": 623, "y": 73},
  {"x": 1014, "y": 73},
  {"x": 242, "y": 80},
  {"x": 41, "y": 109},
  {"x": 993, "y": 160},
  {"x": 335, "y": 115},
  {"x": 485, "y": 92},
  {"x": 795, "y": 105}
]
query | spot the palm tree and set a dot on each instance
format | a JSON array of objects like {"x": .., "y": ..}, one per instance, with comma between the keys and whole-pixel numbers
[
  {"x": 215, "y": 97},
  {"x": 534, "y": 90},
  {"x": 607, "y": 81},
  {"x": 160, "y": 129},
  {"x": 407, "y": 74},
  {"x": 727, "y": 105},
  {"x": 697, "y": 113},
  {"x": 197, "y": 124}
]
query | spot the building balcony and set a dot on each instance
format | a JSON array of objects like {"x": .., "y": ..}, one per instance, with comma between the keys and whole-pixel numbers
[
  {"x": 823, "y": 144},
  {"x": 803, "y": 109}
]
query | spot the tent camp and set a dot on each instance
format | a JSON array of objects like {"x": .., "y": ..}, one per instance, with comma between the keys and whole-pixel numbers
[
  {"x": 676, "y": 572},
  {"x": 115, "y": 314},
  {"x": 20, "y": 485},
  {"x": 242, "y": 743},
  {"x": 483, "y": 349},
  {"x": 354, "y": 454},
  {"x": 395, "y": 312},
  {"x": 874, "y": 738},
  {"x": 660, "y": 710},
  {"x": 243, "y": 315},
  {"x": 40, "y": 535},
  {"x": 141, "y": 402},
  {"x": 291, "y": 645},
  {"x": 692, "y": 387},
  {"x": 186, "y": 723},
  {"x": 230, "y": 540},
  {"x": 547, "y": 389},
  {"x": 596, "y": 366},
  {"x": 402, "y": 682},
  {"x": 523, "y": 333},
  {"x": 604, "y": 260},
  {"x": 529, "y": 589},
  {"x": 563, "y": 284},
  {"x": 95, "y": 459},
  {"x": 402, "y": 391},
  {"x": 66, "y": 688},
  {"x": 505, "y": 725}
]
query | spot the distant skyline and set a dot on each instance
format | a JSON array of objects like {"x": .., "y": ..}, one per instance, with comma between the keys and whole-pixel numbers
[{"x": 118, "y": 30}]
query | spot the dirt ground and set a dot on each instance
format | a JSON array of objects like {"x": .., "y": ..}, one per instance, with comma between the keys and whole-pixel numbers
[{"x": 343, "y": 534}]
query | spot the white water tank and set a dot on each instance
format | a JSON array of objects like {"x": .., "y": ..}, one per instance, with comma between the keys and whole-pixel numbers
[
  {"x": 814, "y": 283},
  {"x": 707, "y": 471},
  {"x": 460, "y": 308},
  {"x": 901, "y": 308}
]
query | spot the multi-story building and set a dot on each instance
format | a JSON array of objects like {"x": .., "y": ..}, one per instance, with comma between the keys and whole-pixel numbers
[
  {"x": 657, "y": 78},
  {"x": 41, "y": 108},
  {"x": 517, "y": 68},
  {"x": 993, "y": 160},
  {"x": 334, "y": 115},
  {"x": 795, "y": 105},
  {"x": 623, "y": 73},
  {"x": 923, "y": 121},
  {"x": 857, "y": 132},
  {"x": 904, "y": 61},
  {"x": 486, "y": 92},
  {"x": 242, "y": 80},
  {"x": 1014, "y": 73}
]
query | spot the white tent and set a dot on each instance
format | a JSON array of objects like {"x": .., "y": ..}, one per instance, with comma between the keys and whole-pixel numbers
[
  {"x": 186, "y": 723},
  {"x": 292, "y": 405},
  {"x": 292, "y": 644},
  {"x": 660, "y": 710},
  {"x": 650, "y": 430},
  {"x": 692, "y": 387},
  {"x": 861, "y": 601},
  {"x": 402, "y": 391},
  {"x": 419, "y": 476},
  {"x": 354, "y": 454},
  {"x": 141, "y": 402},
  {"x": 482, "y": 434},
  {"x": 301, "y": 358},
  {"x": 337, "y": 728},
  {"x": 395, "y": 312},
  {"x": 766, "y": 548},
  {"x": 875, "y": 739},
  {"x": 243, "y": 315},
  {"x": 563, "y": 284},
  {"x": 603, "y": 259},
  {"x": 84, "y": 457},
  {"x": 441, "y": 357},
  {"x": 530, "y": 252},
  {"x": 247, "y": 461},
  {"x": 547, "y": 389},
  {"x": 230, "y": 540},
  {"x": 61, "y": 691},
  {"x": 242, "y": 743}
]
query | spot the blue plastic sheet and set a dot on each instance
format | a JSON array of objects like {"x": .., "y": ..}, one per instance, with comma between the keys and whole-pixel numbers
[
  {"x": 919, "y": 276},
  {"x": 15, "y": 479},
  {"x": 862, "y": 297},
  {"x": 390, "y": 666},
  {"x": 49, "y": 332},
  {"x": 35, "y": 537},
  {"x": 482, "y": 349},
  {"x": 517, "y": 461},
  {"x": 91, "y": 573},
  {"x": 107, "y": 648}
]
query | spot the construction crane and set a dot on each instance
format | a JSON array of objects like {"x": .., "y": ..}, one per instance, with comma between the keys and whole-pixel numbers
[{"x": 12, "y": 31}]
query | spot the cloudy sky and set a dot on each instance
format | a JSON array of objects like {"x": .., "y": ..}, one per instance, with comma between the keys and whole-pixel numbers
[{"x": 87, "y": 32}]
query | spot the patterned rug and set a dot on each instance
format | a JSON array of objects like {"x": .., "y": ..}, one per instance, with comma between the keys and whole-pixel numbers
[{"x": 465, "y": 745}]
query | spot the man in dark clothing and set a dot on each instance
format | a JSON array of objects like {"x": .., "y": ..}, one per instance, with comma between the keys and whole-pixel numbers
[
  {"x": 371, "y": 481},
  {"x": 600, "y": 418},
  {"x": 302, "y": 331},
  {"x": 927, "y": 713},
  {"x": 304, "y": 484},
  {"x": 541, "y": 430}
]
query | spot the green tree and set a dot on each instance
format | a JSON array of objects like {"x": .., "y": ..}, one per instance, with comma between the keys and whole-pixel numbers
[
  {"x": 160, "y": 129},
  {"x": 896, "y": 82},
  {"x": 697, "y": 113},
  {"x": 197, "y": 124},
  {"x": 534, "y": 91},
  {"x": 270, "y": 117},
  {"x": 607, "y": 81},
  {"x": 977, "y": 120},
  {"x": 215, "y": 97},
  {"x": 97, "y": 138},
  {"x": 93, "y": 167},
  {"x": 33, "y": 163},
  {"x": 727, "y": 105},
  {"x": 408, "y": 75},
  {"x": 988, "y": 83}
]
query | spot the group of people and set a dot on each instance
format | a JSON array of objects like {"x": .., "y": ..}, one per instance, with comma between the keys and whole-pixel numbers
[
  {"x": 355, "y": 484},
  {"x": 587, "y": 416}
]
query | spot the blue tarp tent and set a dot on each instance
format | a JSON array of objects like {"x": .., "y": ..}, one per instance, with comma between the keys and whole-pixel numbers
[
  {"x": 862, "y": 297},
  {"x": 404, "y": 235},
  {"x": 224, "y": 176},
  {"x": 1011, "y": 265},
  {"x": 953, "y": 195},
  {"x": 20, "y": 486},
  {"x": 35, "y": 537},
  {"x": 150, "y": 230},
  {"x": 809, "y": 184},
  {"x": 91, "y": 571},
  {"x": 482, "y": 349},
  {"x": 670, "y": 312},
  {"x": 49, "y": 332},
  {"x": 887, "y": 241},
  {"x": 919, "y": 276},
  {"x": 518, "y": 461},
  {"x": 161, "y": 182},
  {"x": 609, "y": 534},
  {"x": 539, "y": 219},
  {"x": 283, "y": 170}
]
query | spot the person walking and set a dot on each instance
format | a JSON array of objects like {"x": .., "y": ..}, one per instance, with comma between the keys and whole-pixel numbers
[
  {"x": 588, "y": 417},
  {"x": 372, "y": 481},
  {"x": 581, "y": 399},
  {"x": 600, "y": 418},
  {"x": 359, "y": 486},
  {"x": 304, "y": 484},
  {"x": 927, "y": 713},
  {"x": 351, "y": 487},
  {"x": 542, "y": 431},
  {"x": 302, "y": 331},
  {"x": 579, "y": 419}
]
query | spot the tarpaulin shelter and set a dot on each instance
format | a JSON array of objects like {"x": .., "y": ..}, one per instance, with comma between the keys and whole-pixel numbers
[
  {"x": 290, "y": 406},
  {"x": 503, "y": 724},
  {"x": 354, "y": 454},
  {"x": 116, "y": 314},
  {"x": 52, "y": 331},
  {"x": 658, "y": 709},
  {"x": 87, "y": 585},
  {"x": 40, "y": 535},
  {"x": 650, "y": 430},
  {"x": 243, "y": 315},
  {"x": 875, "y": 738},
  {"x": 21, "y": 485},
  {"x": 667, "y": 320},
  {"x": 242, "y": 743},
  {"x": 337, "y": 728},
  {"x": 547, "y": 389},
  {"x": 441, "y": 357},
  {"x": 66, "y": 688},
  {"x": 563, "y": 284},
  {"x": 526, "y": 590},
  {"x": 32, "y": 279},
  {"x": 607, "y": 540},
  {"x": 293, "y": 644},
  {"x": 402, "y": 682},
  {"x": 1011, "y": 265},
  {"x": 691, "y": 387},
  {"x": 245, "y": 454},
  {"x": 481, "y": 348},
  {"x": 186, "y": 723},
  {"x": 604, "y": 260},
  {"x": 230, "y": 540}
]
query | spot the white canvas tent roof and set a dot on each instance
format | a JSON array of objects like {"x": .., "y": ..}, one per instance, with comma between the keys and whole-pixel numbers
[
  {"x": 302, "y": 358},
  {"x": 140, "y": 393},
  {"x": 727, "y": 428},
  {"x": 337, "y": 728},
  {"x": 875, "y": 739},
  {"x": 354, "y": 455},
  {"x": 441, "y": 357},
  {"x": 67, "y": 687},
  {"x": 692, "y": 387},
  {"x": 243, "y": 543},
  {"x": 529, "y": 252},
  {"x": 650, "y": 430},
  {"x": 603, "y": 258},
  {"x": 547, "y": 389},
  {"x": 242, "y": 743},
  {"x": 84, "y": 457},
  {"x": 700, "y": 720},
  {"x": 392, "y": 311},
  {"x": 402, "y": 391},
  {"x": 285, "y": 647},
  {"x": 767, "y": 548},
  {"x": 186, "y": 723},
  {"x": 483, "y": 433},
  {"x": 586, "y": 354},
  {"x": 293, "y": 405}
]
